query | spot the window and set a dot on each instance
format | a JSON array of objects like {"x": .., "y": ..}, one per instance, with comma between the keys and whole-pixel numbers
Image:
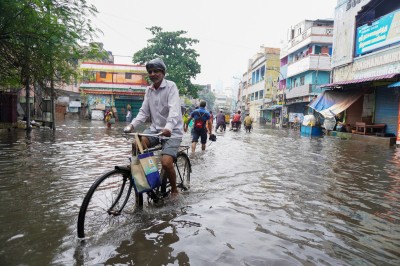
[
  {"x": 103, "y": 75},
  {"x": 128, "y": 75},
  {"x": 257, "y": 75},
  {"x": 256, "y": 96},
  {"x": 262, "y": 73},
  {"x": 325, "y": 50},
  {"x": 261, "y": 94},
  {"x": 301, "y": 80}
]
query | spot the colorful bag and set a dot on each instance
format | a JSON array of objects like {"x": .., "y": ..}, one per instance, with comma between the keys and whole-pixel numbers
[
  {"x": 144, "y": 170},
  {"x": 199, "y": 122}
]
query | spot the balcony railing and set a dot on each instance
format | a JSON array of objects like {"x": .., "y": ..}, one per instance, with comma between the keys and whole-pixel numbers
[
  {"x": 310, "y": 62},
  {"x": 299, "y": 91},
  {"x": 313, "y": 31}
]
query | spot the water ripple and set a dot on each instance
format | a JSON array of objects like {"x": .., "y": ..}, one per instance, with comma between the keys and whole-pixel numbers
[{"x": 269, "y": 197}]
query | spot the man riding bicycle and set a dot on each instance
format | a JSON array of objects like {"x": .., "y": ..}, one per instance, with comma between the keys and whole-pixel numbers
[{"x": 162, "y": 104}]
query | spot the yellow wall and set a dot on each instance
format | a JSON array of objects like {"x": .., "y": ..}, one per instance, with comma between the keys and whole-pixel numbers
[{"x": 120, "y": 78}]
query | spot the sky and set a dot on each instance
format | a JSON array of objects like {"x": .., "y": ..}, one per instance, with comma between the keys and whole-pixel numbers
[{"x": 230, "y": 32}]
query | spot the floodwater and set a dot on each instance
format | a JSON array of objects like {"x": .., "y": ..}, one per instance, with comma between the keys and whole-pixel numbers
[{"x": 269, "y": 197}]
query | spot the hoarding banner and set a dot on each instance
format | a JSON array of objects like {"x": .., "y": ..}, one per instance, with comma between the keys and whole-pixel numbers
[{"x": 382, "y": 32}]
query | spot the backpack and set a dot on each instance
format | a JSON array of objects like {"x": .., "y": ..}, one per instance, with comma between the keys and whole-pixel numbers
[{"x": 199, "y": 122}]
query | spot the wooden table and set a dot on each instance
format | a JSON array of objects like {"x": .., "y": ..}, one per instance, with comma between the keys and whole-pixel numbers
[{"x": 364, "y": 129}]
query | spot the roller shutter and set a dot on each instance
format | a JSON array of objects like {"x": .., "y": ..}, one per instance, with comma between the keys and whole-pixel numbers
[
  {"x": 386, "y": 108},
  {"x": 122, "y": 101}
]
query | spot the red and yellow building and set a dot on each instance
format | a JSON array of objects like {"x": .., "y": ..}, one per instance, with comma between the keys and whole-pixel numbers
[{"x": 113, "y": 86}]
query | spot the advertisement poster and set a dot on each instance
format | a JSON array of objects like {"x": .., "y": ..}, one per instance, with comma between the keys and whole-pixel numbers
[{"x": 379, "y": 33}]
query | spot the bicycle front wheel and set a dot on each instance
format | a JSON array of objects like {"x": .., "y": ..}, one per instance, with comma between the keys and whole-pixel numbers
[
  {"x": 104, "y": 202},
  {"x": 183, "y": 169}
]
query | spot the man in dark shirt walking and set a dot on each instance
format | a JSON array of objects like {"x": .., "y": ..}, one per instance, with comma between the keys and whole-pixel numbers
[{"x": 220, "y": 121}]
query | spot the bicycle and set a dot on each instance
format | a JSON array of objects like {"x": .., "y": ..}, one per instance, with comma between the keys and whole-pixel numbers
[{"x": 109, "y": 194}]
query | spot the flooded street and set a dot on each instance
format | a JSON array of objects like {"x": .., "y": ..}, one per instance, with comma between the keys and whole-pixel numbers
[{"x": 269, "y": 197}]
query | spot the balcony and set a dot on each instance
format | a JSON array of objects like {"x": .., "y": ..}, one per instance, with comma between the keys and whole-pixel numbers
[
  {"x": 299, "y": 91},
  {"x": 311, "y": 62},
  {"x": 316, "y": 34}
]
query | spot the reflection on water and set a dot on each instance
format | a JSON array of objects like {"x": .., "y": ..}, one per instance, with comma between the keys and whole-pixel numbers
[{"x": 268, "y": 197}]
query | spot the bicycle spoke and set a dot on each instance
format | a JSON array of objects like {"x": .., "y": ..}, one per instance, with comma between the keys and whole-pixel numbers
[{"x": 103, "y": 204}]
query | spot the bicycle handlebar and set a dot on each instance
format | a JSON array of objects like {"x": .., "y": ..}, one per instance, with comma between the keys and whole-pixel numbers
[{"x": 159, "y": 134}]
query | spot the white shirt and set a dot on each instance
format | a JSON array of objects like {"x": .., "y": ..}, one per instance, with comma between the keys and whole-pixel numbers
[{"x": 163, "y": 106}]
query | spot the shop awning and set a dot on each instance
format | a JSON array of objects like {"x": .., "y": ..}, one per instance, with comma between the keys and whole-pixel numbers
[
  {"x": 394, "y": 85},
  {"x": 355, "y": 81},
  {"x": 331, "y": 103}
]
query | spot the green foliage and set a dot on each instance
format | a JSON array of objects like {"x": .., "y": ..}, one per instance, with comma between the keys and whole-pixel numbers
[
  {"x": 179, "y": 57},
  {"x": 209, "y": 97},
  {"x": 40, "y": 40}
]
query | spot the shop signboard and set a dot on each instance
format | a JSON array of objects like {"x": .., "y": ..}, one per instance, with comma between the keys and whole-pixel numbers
[{"x": 380, "y": 33}]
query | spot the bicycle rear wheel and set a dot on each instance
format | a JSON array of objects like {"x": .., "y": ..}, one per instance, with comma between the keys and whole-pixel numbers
[
  {"x": 104, "y": 202},
  {"x": 183, "y": 169}
]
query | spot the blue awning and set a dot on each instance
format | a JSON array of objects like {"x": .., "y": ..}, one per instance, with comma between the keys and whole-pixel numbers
[
  {"x": 331, "y": 103},
  {"x": 393, "y": 85}
]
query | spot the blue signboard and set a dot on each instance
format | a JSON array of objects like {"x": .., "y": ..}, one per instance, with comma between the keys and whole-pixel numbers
[{"x": 380, "y": 33}]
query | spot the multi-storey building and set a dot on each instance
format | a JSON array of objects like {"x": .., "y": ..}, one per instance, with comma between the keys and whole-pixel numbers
[
  {"x": 305, "y": 64},
  {"x": 366, "y": 65},
  {"x": 113, "y": 86},
  {"x": 259, "y": 87}
]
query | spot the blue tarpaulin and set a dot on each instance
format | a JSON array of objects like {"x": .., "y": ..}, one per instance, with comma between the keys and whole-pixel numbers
[
  {"x": 331, "y": 103},
  {"x": 394, "y": 85}
]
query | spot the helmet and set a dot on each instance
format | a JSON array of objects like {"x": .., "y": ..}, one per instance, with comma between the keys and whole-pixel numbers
[{"x": 157, "y": 63}]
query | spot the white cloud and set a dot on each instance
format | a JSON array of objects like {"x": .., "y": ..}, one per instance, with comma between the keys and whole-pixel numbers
[{"x": 230, "y": 32}]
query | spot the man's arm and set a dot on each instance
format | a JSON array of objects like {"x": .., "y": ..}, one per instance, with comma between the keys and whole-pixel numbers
[
  {"x": 185, "y": 126},
  {"x": 209, "y": 126},
  {"x": 174, "y": 106}
]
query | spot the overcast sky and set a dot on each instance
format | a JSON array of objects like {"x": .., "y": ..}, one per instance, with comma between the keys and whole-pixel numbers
[{"x": 230, "y": 31}]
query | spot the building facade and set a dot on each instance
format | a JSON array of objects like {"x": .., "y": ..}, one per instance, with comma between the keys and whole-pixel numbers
[
  {"x": 259, "y": 83},
  {"x": 112, "y": 86},
  {"x": 366, "y": 60},
  {"x": 305, "y": 64}
]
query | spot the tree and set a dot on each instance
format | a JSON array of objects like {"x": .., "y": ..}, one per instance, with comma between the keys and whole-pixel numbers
[
  {"x": 40, "y": 42},
  {"x": 209, "y": 97},
  {"x": 180, "y": 58}
]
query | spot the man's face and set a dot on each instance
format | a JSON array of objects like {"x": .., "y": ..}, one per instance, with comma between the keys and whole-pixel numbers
[{"x": 155, "y": 75}]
